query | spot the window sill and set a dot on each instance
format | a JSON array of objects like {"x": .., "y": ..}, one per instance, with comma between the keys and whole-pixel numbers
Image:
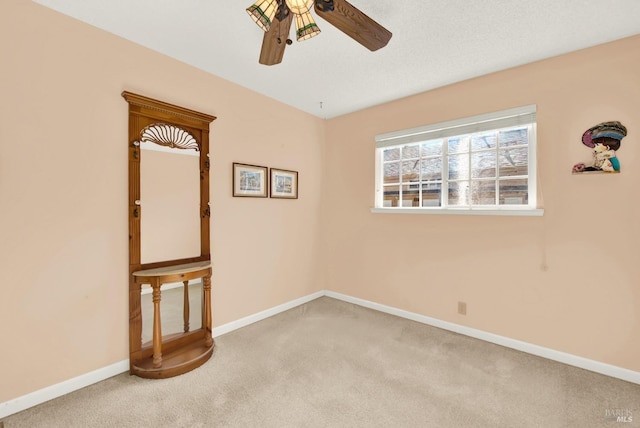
[{"x": 526, "y": 212}]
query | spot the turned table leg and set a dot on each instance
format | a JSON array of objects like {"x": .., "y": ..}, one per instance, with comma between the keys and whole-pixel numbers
[
  {"x": 186, "y": 306},
  {"x": 157, "y": 328},
  {"x": 206, "y": 289}
]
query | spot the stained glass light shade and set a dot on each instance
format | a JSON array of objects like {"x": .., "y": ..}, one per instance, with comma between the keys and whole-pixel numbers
[
  {"x": 263, "y": 13},
  {"x": 306, "y": 27},
  {"x": 299, "y": 6}
]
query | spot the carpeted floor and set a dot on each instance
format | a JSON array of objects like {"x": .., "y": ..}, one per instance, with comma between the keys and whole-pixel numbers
[{"x": 333, "y": 364}]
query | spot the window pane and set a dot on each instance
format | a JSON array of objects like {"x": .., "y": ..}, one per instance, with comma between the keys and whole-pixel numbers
[
  {"x": 459, "y": 193},
  {"x": 514, "y": 137},
  {"x": 391, "y": 172},
  {"x": 432, "y": 148},
  {"x": 431, "y": 194},
  {"x": 459, "y": 166},
  {"x": 390, "y": 196},
  {"x": 483, "y": 164},
  {"x": 411, "y": 195},
  {"x": 484, "y": 141},
  {"x": 483, "y": 192},
  {"x": 391, "y": 154},
  {"x": 458, "y": 144},
  {"x": 409, "y": 152},
  {"x": 432, "y": 169},
  {"x": 514, "y": 161},
  {"x": 513, "y": 192},
  {"x": 411, "y": 170}
]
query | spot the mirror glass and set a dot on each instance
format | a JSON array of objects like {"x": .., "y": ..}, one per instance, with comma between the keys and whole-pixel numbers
[
  {"x": 170, "y": 230},
  {"x": 170, "y": 203},
  {"x": 172, "y": 309}
]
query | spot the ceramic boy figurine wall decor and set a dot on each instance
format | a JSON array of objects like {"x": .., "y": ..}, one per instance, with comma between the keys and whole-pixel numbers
[{"x": 605, "y": 139}]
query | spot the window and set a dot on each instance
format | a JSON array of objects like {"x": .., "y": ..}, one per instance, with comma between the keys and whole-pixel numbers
[{"x": 482, "y": 163}]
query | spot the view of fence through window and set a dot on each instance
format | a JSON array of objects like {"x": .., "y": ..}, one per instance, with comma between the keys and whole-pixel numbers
[{"x": 488, "y": 168}]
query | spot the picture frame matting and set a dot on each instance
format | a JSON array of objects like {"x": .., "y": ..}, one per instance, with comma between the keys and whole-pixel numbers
[
  {"x": 284, "y": 183},
  {"x": 250, "y": 180}
]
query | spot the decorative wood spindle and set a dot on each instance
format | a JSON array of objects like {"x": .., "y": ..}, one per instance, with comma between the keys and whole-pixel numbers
[
  {"x": 157, "y": 327},
  {"x": 206, "y": 287},
  {"x": 186, "y": 306}
]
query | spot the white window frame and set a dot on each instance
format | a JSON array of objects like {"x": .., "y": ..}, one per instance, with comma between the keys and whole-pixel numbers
[{"x": 514, "y": 117}]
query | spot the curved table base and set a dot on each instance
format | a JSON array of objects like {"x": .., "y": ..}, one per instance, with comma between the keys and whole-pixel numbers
[{"x": 175, "y": 363}]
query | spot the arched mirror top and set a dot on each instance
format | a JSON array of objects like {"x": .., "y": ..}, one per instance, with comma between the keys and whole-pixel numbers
[{"x": 169, "y": 136}]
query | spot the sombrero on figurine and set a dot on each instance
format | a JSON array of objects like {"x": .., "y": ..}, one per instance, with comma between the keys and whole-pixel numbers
[{"x": 606, "y": 133}]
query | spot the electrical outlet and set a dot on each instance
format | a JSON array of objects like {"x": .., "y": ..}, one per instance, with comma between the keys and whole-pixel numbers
[{"x": 462, "y": 308}]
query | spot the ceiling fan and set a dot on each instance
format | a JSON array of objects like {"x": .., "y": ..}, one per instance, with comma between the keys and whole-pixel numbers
[{"x": 275, "y": 16}]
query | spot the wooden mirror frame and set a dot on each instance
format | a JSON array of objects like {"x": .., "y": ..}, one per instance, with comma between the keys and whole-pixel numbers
[{"x": 178, "y": 353}]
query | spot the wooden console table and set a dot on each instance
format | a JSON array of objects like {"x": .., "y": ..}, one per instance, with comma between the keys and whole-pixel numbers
[{"x": 179, "y": 353}]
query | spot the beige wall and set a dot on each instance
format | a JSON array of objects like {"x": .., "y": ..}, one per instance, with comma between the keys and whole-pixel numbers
[
  {"x": 568, "y": 280},
  {"x": 63, "y": 194}
]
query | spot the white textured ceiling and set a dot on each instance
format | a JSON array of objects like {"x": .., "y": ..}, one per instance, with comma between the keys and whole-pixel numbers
[{"x": 434, "y": 43}]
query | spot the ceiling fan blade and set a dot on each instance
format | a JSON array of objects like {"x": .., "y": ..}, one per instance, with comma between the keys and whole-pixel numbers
[
  {"x": 354, "y": 23},
  {"x": 273, "y": 50}
]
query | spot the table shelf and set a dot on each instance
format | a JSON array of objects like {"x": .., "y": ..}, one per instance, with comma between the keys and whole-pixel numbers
[{"x": 175, "y": 354}]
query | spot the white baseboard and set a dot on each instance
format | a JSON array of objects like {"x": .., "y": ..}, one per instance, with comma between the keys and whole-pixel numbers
[
  {"x": 54, "y": 391},
  {"x": 243, "y": 322},
  {"x": 40, "y": 396},
  {"x": 562, "y": 357}
]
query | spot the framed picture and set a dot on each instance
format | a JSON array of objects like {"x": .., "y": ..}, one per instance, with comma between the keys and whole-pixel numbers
[
  {"x": 284, "y": 184},
  {"x": 250, "y": 180}
]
